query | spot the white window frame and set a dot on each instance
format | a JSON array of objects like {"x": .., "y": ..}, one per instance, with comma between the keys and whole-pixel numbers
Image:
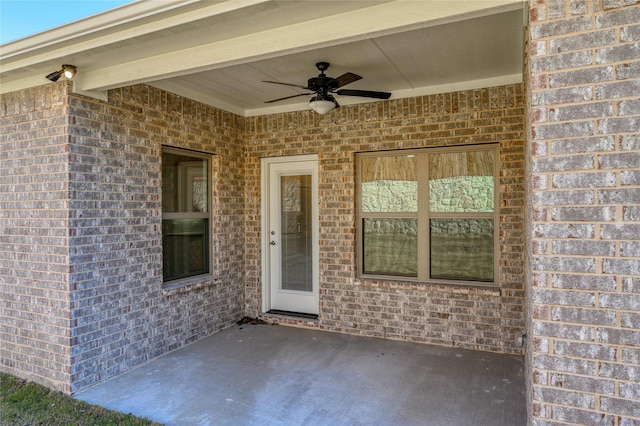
[{"x": 423, "y": 215}]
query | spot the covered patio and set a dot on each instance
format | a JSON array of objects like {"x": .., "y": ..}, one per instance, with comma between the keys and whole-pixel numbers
[
  {"x": 207, "y": 106},
  {"x": 258, "y": 374}
]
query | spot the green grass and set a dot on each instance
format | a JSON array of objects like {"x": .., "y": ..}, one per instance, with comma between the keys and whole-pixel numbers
[{"x": 26, "y": 403}]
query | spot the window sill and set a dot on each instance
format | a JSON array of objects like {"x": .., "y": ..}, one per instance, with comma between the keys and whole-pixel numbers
[
  {"x": 484, "y": 288},
  {"x": 188, "y": 284}
]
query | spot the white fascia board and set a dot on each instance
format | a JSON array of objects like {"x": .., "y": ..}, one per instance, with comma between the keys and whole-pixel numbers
[
  {"x": 72, "y": 38},
  {"x": 67, "y": 34},
  {"x": 377, "y": 20},
  {"x": 75, "y": 38}
]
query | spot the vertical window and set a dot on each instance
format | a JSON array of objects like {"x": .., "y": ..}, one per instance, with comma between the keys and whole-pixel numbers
[
  {"x": 428, "y": 214},
  {"x": 185, "y": 214},
  {"x": 461, "y": 207},
  {"x": 389, "y": 209}
]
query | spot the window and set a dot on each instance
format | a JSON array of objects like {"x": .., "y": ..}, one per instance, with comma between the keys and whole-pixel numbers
[
  {"x": 185, "y": 214},
  {"x": 429, "y": 214}
]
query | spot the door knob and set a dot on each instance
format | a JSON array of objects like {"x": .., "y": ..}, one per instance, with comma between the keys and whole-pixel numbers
[{"x": 273, "y": 243}]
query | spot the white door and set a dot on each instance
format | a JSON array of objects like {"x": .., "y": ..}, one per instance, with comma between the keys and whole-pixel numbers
[{"x": 290, "y": 237}]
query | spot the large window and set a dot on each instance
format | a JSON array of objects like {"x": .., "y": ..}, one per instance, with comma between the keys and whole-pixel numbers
[
  {"x": 428, "y": 215},
  {"x": 185, "y": 213}
]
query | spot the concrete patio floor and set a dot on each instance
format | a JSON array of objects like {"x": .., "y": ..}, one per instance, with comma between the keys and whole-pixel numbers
[{"x": 255, "y": 374}]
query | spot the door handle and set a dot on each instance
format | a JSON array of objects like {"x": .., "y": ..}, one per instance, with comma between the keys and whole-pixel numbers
[{"x": 273, "y": 243}]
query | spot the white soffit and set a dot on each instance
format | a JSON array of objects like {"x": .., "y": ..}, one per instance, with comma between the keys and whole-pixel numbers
[{"x": 219, "y": 51}]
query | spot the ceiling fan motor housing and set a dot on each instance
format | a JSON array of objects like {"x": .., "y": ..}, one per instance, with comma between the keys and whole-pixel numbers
[{"x": 321, "y": 84}]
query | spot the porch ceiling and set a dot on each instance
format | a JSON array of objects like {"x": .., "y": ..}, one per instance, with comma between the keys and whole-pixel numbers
[{"x": 218, "y": 52}]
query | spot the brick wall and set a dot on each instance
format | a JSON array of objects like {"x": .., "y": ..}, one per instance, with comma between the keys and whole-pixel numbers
[
  {"x": 584, "y": 299},
  {"x": 34, "y": 239},
  {"x": 121, "y": 315},
  {"x": 474, "y": 318},
  {"x": 108, "y": 297},
  {"x": 84, "y": 212}
]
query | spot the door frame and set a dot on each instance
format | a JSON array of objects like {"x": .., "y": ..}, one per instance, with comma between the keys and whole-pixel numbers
[{"x": 265, "y": 194}]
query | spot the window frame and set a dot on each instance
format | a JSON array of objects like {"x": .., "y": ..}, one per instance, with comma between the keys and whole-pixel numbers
[
  {"x": 423, "y": 215},
  {"x": 190, "y": 215}
]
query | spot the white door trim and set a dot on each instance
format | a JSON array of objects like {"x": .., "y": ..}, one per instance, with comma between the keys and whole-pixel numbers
[{"x": 265, "y": 224}]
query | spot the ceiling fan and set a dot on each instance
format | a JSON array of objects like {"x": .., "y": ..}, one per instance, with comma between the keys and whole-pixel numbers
[{"x": 323, "y": 87}]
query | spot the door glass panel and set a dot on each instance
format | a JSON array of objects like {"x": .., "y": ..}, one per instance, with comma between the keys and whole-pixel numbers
[{"x": 296, "y": 233}]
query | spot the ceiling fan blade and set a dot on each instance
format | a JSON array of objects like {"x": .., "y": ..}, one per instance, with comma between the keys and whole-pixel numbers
[
  {"x": 288, "y": 97},
  {"x": 286, "y": 84},
  {"x": 364, "y": 93},
  {"x": 343, "y": 80}
]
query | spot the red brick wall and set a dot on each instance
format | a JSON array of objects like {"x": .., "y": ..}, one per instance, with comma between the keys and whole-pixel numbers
[
  {"x": 584, "y": 267},
  {"x": 474, "y": 318}
]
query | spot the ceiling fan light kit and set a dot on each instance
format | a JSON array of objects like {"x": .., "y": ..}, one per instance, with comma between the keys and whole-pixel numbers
[
  {"x": 322, "y": 106},
  {"x": 323, "y": 86}
]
